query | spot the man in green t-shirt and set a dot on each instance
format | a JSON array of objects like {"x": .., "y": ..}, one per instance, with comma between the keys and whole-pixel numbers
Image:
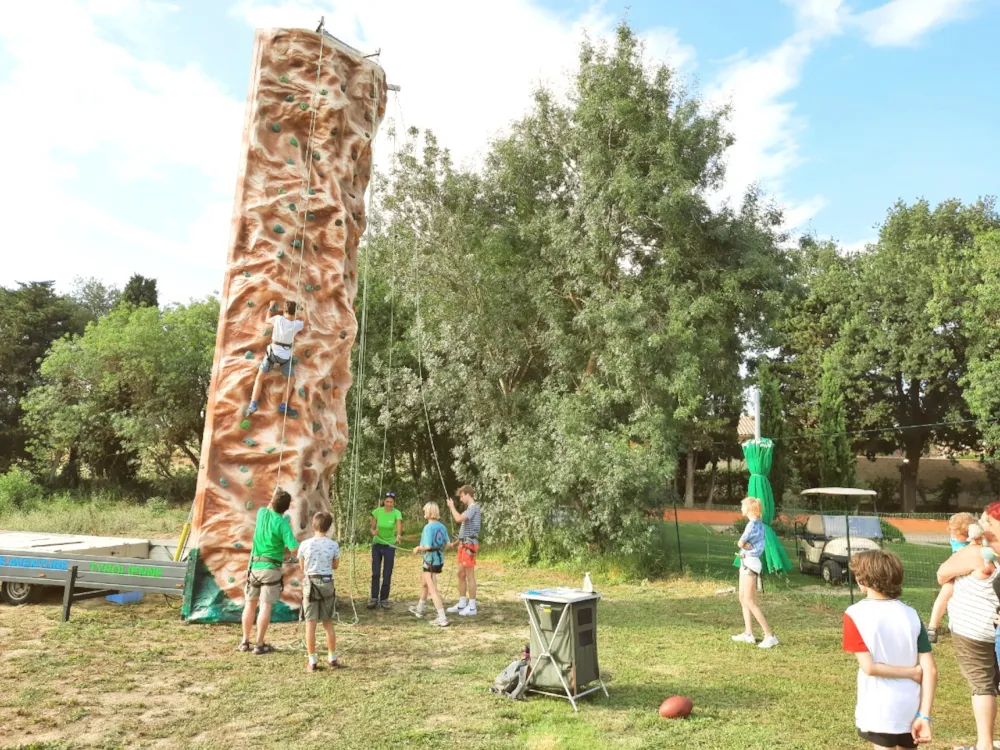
[
  {"x": 387, "y": 527},
  {"x": 264, "y": 583}
]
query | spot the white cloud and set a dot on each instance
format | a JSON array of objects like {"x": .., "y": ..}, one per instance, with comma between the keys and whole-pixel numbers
[{"x": 904, "y": 22}]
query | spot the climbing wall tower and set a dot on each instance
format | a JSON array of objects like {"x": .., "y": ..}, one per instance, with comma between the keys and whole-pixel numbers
[{"x": 313, "y": 110}]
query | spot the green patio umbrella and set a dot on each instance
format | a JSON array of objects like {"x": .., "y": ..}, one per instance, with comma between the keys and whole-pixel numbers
[{"x": 758, "y": 455}]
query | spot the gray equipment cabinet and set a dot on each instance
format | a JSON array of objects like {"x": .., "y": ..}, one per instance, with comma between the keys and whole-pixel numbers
[{"x": 563, "y": 624}]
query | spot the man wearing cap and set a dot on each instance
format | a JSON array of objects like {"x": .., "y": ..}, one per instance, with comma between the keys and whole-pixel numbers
[{"x": 387, "y": 531}]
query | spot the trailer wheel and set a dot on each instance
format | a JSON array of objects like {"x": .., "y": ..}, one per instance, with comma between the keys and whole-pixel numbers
[
  {"x": 832, "y": 572},
  {"x": 15, "y": 593}
]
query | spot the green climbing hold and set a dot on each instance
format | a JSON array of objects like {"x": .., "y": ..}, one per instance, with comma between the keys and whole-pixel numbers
[
  {"x": 343, "y": 334},
  {"x": 249, "y": 504},
  {"x": 248, "y": 355},
  {"x": 244, "y": 469},
  {"x": 294, "y": 141},
  {"x": 284, "y": 441},
  {"x": 316, "y": 427},
  {"x": 238, "y": 545},
  {"x": 246, "y": 274},
  {"x": 326, "y": 386},
  {"x": 231, "y": 579},
  {"x": 302, "y": 392},
  {"x": 291, "y": 207},
  {"x": 272, "y": 449},
  {"x": 315, "y": 155},
  {"x": 295, "y": 360},
  {"x": 281, "y": 253},
  {"x": 224, "y": 482},
  {"x": 308, "y": 464},
  {"x": 268, "y": 331},
  {"x": 297, "y": 244},
  {"x": 278, "y": 229},
  {"x": 309, "y": 352},
  {"x": 249, "y": 303},
  {"x": 289, "y": 161},
  {"x": 303, "y": 106},
  {"x": 323, "y": 92},
  {"x": 339, "y": 222},
  {"x": 250, "y": 441},
  {"x": 312, "y": 191},
  {"x": 281, "y": 191},
  {"x": 310, "y": 217},
  {"x": 295, "y": 582},
  {"x": 276, "y": 128},
  {"x": 245, "y": 424},
  {"x": 309, "y": 287},
  {"x": 283, "y": 79},
  {"x": 289, "y": 98},
  {"x": 249, "y": 482}
]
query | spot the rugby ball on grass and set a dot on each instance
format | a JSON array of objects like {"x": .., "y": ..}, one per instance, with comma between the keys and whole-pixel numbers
[{"x": 677, "y": 707}]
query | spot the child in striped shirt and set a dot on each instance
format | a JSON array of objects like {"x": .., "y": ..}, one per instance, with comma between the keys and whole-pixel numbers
[{"x": 471, "y": 519}]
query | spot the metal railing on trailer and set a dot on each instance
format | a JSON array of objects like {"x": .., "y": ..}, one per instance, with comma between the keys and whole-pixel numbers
[{"x": 89, "y": 577}]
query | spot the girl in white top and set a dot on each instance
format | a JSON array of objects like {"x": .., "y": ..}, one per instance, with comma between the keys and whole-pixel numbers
[{"x": 278, "y": 352}]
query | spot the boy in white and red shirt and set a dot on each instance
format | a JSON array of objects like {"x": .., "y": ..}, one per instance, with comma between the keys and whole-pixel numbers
[{"x": 897, "y": 675}]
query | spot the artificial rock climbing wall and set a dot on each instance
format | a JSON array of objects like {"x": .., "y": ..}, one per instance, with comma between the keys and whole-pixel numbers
[{"x": 312, "y": 114}]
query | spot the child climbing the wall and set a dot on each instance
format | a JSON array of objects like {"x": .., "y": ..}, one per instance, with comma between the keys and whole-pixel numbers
[
  {"x": 471, "y": 519},
  {"x": 958, "y": 528},
  {"x": 319, "y": 556},
  {"x": 278, "y": 352},
  {"x": 432, "y": 543}
]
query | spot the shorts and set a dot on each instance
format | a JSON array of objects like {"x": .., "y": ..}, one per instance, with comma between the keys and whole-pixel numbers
[
  {"x": 318, "y": 598},
  {"x": 264, "y": 584},
  {"x": 888, "y": 740},
  {"x": 428, "y": 568},
  {"x": 977, "y": 661},
  {"x": 271, "y": 359},
  {"x": 467, "y": 554}
]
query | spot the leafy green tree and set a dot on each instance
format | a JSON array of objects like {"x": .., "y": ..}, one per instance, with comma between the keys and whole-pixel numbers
[
  {"x": 32, "y": 317},
  {"x": 773, "y": 426},
  {"x": 95, "y": 298},
  {"x": 140, "y": 291},
  {"x": 837, "y": 461},
  {"x": 982, "y": 316},
  {"x": 129, "y": 392}
]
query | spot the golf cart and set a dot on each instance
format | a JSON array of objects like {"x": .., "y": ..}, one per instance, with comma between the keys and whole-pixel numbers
[{"x": 826, "y": 543}]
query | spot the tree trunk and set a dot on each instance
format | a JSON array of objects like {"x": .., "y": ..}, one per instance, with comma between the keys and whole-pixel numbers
[
  {"x": 908, "y": 472},
  {"x": 689, "y": 484},
  {"x": 711, "y": 484}
]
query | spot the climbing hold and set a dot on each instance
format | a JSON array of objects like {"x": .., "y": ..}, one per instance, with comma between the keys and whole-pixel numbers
[
  {"x": 276, "y": 128},
  {"x": 224, "y": 482},
  {"x": 297, "y": 244},
  {"x": 238, "y": 545},
  {"x": 309, "y": 287},
  {"x": 284, "y": 441},
  {"x": 231, "y": 579},
  {"x": 339, "y": 222},
  {"x": 244, "y": 469},
  {"x": 283, "y": 79},
  {"x": 323, "y": 92},
  {"x": 316, "y": 427},
  {"x": 281, "y": 253},
  {"x": 315, "y": 155},
  {"x": 320, "y": 174},
  {"x": 326, "y": 386},
  {"x": 281, "y": 191},
  {"x": 295, "y": 360},
  {"x": 310, "y": 217},
  {"x": 309, "y": 463},
  {"x": 248, "y": 355},
  {"x": 249, "y": 303},
  {"x": 368, "y": 117},
  {"x": 249, "y": 504},
  {"x": 324, "y": 453},
  {"x": 302, "y": 392},
  {"x": 291, "y": 207},
  {"x": 245, "y": 424},
  {"x": 268, "y": 331},
  {"x": 289, "y": 98},
  {"x": 343, "y": 334},
  {"x": 303, "y": 106},
  {"x": 343, "y": 87},
  {"x": 336, "y": 393},
  {"x": 354, "y": 154},
  {"x": 368, "y": 135},
  {"x": 272, "y": 449},
  {"x": 278, "y": 229},
  {"x": 335, "y": 132},
  {"x": 250, "y": 441},
  {"x": 312, "y": 191},
  {"x": 295, "y": 582},
  {"x": 246, "y": 274},
  {"x": 249, "y": 482},
  {"x": 289, "y": 161},
  {"x": 352, "y": 195},
  {"x": 308, "y": 353}
]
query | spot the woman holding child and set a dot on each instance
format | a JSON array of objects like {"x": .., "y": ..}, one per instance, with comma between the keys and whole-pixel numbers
[{"x": 971, "y": 613}]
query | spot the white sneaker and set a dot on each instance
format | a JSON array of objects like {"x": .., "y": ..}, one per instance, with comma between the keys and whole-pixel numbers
[
  {"x": 416, "y": 612},
  {"x": 744, "y": 638},
  {"x": 468, "y": 612},
  {"x": 456, "y": 608},
  {"x": 440, "y": 622},
  {"x": 769, "y": 642}
]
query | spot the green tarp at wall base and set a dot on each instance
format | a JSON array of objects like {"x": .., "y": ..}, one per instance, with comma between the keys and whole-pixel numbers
[{"x": 205, "y": 602}]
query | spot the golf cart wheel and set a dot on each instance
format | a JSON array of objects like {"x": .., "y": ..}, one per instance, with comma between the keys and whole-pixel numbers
[
  {"x": 803, "y": 566},
  {"x": 20, "y": 593},
  {"x": 832, "y": 572}
]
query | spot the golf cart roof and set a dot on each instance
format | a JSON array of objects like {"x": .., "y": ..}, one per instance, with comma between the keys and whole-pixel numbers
[{"x": 839, "y": 491}]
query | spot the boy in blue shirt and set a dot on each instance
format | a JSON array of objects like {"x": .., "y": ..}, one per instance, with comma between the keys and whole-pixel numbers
[
  {"x": 751, "y": 546},
  {"x": 432, "y": 543}
]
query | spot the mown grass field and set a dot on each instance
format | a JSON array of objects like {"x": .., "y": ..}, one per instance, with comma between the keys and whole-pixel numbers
[{"x": 135, "y": 676}]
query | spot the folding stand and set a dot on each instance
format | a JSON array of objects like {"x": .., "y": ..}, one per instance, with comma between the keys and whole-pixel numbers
[{"x": 545, "y": 652}]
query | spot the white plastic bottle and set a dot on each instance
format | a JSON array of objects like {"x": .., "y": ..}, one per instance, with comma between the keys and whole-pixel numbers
[{"x": 588, "y": 586}]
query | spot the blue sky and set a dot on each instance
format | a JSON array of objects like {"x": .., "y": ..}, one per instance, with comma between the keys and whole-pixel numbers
[{"x": 128, "y": 114}]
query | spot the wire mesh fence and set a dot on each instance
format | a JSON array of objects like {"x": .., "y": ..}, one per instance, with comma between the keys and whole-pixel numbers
[{"x": 702, "y": 543}]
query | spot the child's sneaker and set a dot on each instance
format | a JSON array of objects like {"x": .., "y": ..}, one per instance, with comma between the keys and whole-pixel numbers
[
  {"x": 744, "y": 638},
  {"x": 416, "y": 611},
  {"x": 459, "y": 606},
  {"x": 769, "y": 642},
  {"x": 440, "y": 622},
  {"x": 469, "y": 611},
  {"x": 250, "y": 409},
  {"x": 311, "y": 666},
  {"x": 287, "y": 411}
]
